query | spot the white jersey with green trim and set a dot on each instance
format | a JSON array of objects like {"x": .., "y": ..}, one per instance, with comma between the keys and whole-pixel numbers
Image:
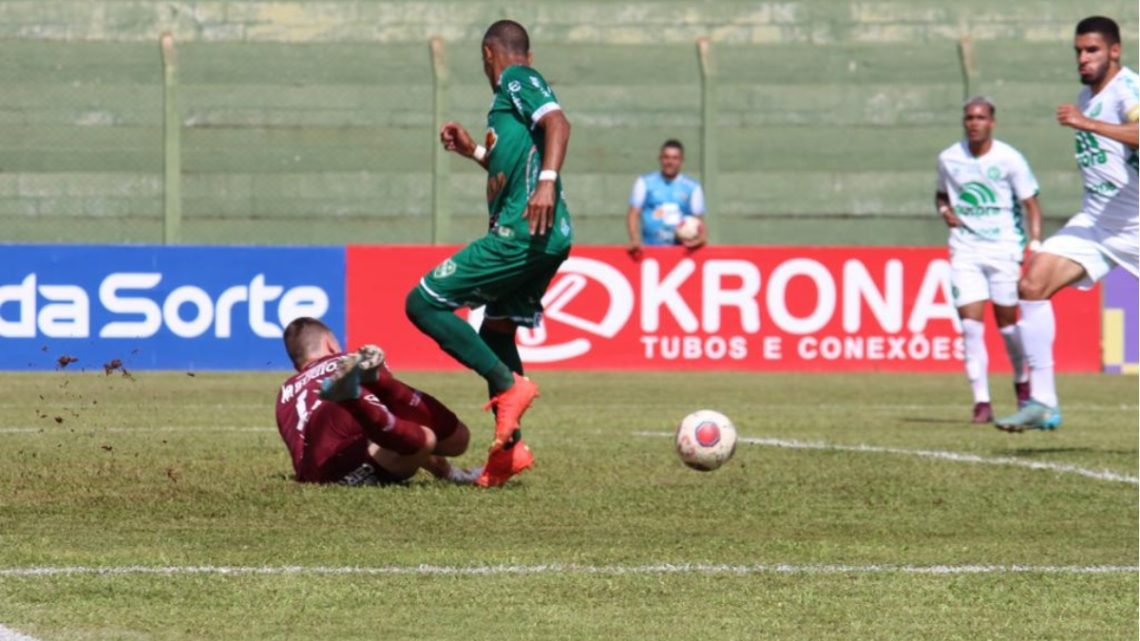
[
  {"x": 1109, "y": 167},
  {"x": 986, "y": 193}
]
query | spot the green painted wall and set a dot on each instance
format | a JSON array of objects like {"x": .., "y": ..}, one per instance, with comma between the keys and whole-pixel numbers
[{"x": 312, "y": 121}]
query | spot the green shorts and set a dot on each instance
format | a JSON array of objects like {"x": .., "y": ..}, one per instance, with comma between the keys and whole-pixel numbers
[{"x": 508, "y": 278}]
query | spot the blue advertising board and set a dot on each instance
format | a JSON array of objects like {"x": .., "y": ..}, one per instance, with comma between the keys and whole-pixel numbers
[{"x": 162, "y": 307}]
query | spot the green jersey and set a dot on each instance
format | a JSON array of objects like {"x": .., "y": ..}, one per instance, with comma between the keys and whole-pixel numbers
[{"x": 514, "y": 147}]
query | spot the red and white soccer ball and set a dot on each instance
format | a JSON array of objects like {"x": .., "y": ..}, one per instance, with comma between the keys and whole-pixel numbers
[
  {"x": 689, "y": 228},
  {"x": 705, "y": 440}
]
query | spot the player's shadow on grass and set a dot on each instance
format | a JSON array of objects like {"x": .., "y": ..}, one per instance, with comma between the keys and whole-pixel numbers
[{"x": 419, "y": 481}]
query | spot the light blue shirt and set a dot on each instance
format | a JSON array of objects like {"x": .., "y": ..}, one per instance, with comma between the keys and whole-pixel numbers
[{"x": 663, "y": 204}]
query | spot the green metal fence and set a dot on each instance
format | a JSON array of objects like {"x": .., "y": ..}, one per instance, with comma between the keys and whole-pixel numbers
[{"x": 314, "y": 122}]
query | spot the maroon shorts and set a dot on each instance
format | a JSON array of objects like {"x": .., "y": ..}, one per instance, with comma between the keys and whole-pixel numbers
[{"x": 337, "y": 438}]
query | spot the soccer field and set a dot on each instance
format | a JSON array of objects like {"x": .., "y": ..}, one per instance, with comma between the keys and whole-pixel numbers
[{"x": 857, "y": 507}]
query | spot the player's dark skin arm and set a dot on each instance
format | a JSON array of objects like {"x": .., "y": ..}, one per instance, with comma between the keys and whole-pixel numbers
[
  {"x": 633, "y": 225},
  {"x": 556, "y": 135},
  {"x": 942, "y": 204},
  {"x": 455, "y": 138}
]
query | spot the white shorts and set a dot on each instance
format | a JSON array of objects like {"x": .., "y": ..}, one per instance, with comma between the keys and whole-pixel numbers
[
  {"x": 976, "y": 278},
  {"x": 1095, "y": 248}
]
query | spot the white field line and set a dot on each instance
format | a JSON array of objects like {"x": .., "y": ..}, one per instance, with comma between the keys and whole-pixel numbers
[
  {"x": 959, "y": 457},
  {"x": 8, "y": 634},
  {"x": 559, "y": 568},
  {"x": 65, "y": 429}
]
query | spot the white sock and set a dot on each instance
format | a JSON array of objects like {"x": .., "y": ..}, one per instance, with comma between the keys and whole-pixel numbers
[
  {"x": 1038, "y": 328},
  {"x": 462, "y": 476},
  {"x": 1012, "y": 338},
  {"x": 977, "y": 360}
]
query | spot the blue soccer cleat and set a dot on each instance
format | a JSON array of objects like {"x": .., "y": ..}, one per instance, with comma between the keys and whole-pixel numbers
[{"x": 1034, "y": 416}]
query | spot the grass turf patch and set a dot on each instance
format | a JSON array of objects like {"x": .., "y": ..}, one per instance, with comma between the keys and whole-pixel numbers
[{"x": 170, "y": 470}]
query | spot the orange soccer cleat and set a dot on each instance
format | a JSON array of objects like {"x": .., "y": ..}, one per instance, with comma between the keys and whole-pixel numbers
[
  {"x": 509, "y": 407},
  {"x": 504, "y": 463}
]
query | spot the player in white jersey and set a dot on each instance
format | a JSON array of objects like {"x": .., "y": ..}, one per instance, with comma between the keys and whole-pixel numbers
[
  {"x": 983, "y": 185},
  {"x": 1106, "y": 233}
]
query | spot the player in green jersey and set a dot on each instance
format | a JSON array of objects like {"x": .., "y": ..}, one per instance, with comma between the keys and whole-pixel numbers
[{"x": 528, "y": 237}]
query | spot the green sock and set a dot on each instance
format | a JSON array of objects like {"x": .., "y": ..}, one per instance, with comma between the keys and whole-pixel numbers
[
  {"x": 504, "y": 347},
  {"x": 458, "y": 339}
]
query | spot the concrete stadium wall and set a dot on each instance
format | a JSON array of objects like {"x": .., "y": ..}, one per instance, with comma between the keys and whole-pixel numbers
[{"x": 312, "y": 121}]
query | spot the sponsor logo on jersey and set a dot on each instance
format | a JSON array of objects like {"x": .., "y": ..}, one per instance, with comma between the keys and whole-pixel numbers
[
  {"x": 444, "y": 269},
  {"x": 977, "y": 199},
  {"x": 514, "y": 86},
  {"x": 541, "y": 87},
  {"x": 1089, "y": 152},
  {"x": 1095, "y": 111},
  {"x": 1106, "y": 188}
]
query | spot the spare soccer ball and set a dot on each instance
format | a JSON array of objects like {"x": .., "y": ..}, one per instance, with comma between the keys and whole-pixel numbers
[
  {"x": 705, "y": 440},
  {"x": 689, "y": 228}
]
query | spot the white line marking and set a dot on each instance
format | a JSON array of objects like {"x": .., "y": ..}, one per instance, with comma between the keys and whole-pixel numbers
[
  {"x": 8, "y": 634},
  {"x": 1063, "y": 468},
  {"x": 571, "y": 568},
  {"x": 86, "y": 429}
]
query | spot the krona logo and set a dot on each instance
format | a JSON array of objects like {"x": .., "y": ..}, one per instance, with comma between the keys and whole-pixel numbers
[{"x": 850, "y": 292}]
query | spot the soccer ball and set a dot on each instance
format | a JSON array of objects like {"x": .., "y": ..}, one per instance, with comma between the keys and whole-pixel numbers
[
  {"x": 689, "y": 228},
  {"x": 705, "y": 440}
]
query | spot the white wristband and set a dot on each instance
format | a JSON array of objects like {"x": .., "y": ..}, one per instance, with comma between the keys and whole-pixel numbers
[
  {"x": 1034, "y": 245},
  {"x": 480, "y": 153},
  {"x": 547, "y": 174}
]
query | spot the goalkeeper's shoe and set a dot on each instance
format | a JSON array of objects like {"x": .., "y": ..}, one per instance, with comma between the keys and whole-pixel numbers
[
  {"x": 504, "y": 463},
  {"x": 1034, "y": 416},
  {"x": 344, "y": 384},
  {"x": 509, "y": 407}
]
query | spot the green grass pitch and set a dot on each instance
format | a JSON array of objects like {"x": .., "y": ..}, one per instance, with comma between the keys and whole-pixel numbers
[{"x": 610, "y": 537}]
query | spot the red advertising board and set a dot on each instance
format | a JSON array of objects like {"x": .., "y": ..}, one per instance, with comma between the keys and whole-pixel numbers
[{"x": 736, "y": 308}]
